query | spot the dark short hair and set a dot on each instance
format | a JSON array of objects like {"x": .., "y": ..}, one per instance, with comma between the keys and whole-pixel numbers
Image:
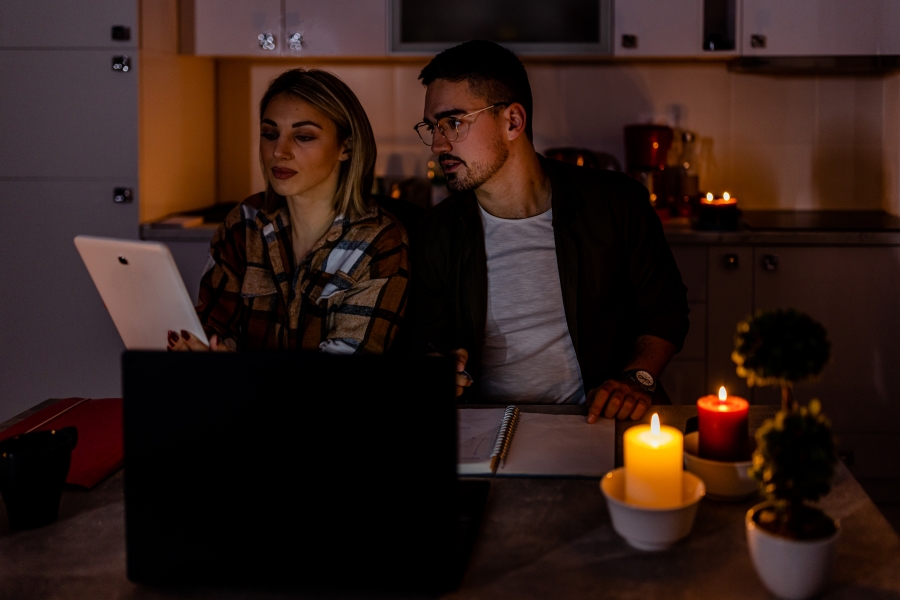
[{"x": 493, "y": 73}]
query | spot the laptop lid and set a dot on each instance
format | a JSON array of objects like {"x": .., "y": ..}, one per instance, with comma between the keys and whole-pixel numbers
[{"x": 290, "y": 469}]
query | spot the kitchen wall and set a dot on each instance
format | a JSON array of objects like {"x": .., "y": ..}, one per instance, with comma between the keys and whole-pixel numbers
[{"x": 775, "y": 142}]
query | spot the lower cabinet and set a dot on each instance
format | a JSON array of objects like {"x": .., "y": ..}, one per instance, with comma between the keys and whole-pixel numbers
[{"x": 854, "y": 291}]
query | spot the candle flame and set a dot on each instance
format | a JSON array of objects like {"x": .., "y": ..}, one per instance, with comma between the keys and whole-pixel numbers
[
  {"x": 654, "y": 424},
  {"x": 723, "y": 395},
  {"x": 726, "y": 196},
  {"x": 709, "y": 197}
]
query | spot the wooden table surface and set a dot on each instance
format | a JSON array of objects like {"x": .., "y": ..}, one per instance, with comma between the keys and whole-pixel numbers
[{"x": 540, "y": 538}]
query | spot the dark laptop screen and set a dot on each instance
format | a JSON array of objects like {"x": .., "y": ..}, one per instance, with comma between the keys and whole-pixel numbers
[{"x": 290, "y": 469}]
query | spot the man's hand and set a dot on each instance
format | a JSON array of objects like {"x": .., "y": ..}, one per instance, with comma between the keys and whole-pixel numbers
[
  {"x": 462, "y": 378},
  {"x": 188, "y": 343},
  {"x": 617, "y": 399}
]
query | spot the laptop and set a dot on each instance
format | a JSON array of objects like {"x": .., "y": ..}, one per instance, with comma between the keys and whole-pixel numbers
[
  {"x": 294, "y": 469},
  {"x": 141, "y": 288}
]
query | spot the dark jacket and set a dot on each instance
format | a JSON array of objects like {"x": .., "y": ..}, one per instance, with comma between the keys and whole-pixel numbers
[{"x": 618, "y": 276}]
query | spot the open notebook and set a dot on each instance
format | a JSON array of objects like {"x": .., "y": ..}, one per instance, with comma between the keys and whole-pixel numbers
[{"x": 505, "y": 441}]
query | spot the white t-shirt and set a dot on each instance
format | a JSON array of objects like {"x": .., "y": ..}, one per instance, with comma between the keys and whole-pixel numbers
[{"x": 528, "y": 353}]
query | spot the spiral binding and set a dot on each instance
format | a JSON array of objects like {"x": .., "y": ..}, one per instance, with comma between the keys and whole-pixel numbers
[{"x": 504, "y": 435}]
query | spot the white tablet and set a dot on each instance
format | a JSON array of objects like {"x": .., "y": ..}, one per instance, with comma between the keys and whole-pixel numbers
[{"x": 141, "y": 288}]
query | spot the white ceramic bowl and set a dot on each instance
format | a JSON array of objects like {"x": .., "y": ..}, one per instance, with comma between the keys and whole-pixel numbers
[
  {"x": 646, "y": 528},
  {"x": 724, "y": 480}
]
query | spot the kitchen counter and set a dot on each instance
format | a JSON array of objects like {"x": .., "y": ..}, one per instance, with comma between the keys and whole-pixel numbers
[
  {"x": 787, "y": 228},
  {"x": 763, "y": 227}
]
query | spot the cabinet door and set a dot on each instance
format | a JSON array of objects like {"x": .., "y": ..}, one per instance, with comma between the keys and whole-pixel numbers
[
  {"x": 336, "y": 28},
  {"x": 730, "y": 301},
  {"x": 56, "y": 337},
  {"x": 854, "y": 292},
  {"x": 811, "y": 27},
  {"x": 67, "y": 114},
  {"x": 66, "y": 23},
  {"x": 658, "y": 28},
  {"x": 231, "y": 27}
]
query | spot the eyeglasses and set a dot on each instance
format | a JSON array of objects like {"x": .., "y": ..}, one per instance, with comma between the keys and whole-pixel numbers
[{"x": 453, "y": 128}]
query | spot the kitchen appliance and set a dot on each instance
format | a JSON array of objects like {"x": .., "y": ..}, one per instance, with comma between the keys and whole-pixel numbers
[{"x": 646, "y": 154}]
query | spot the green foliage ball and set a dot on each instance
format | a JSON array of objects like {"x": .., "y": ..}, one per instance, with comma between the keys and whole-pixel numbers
[
  {"x": 795, "y": 455},
  {"x": 780, "y": 347}
]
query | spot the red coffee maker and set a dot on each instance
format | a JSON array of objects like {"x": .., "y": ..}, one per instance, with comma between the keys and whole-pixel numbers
[{"x": 646, "y": 150}]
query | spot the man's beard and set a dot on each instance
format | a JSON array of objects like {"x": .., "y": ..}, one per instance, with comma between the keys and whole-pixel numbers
[{"x": 476, "y": 174}]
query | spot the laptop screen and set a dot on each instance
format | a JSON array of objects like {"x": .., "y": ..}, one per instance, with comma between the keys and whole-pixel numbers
[{"x": 290, "y": 468}]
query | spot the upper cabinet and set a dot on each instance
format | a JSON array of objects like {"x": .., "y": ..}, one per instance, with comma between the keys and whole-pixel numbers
[
  {"x": 658, "y": 28},
  {"x": 336, "y": 27},
  {"x": 820, "y": 27},
  {"x": 231, "y": 27},
  {"x": 269, "y": 28},
  {"x": 68, "y": 24}
]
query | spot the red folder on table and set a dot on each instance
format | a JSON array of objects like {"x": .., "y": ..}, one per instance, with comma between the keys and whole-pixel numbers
[{"x": 99, "y": 452}]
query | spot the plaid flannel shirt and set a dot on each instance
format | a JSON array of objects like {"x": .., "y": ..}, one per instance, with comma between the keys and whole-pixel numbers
[{"x": 347, "y": 296}]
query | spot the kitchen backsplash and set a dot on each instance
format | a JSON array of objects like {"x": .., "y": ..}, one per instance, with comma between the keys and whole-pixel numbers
[{"x": 775, "y": 142}]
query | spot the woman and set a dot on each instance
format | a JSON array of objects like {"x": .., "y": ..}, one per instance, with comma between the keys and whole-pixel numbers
[{"x": 313, "y": 262}]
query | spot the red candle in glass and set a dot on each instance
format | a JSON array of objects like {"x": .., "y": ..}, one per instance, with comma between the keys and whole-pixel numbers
[{"x": 723, "y": 427}]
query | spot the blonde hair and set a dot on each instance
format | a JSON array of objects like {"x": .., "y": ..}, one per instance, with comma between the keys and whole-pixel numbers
[{"x": 330, "y": 95}]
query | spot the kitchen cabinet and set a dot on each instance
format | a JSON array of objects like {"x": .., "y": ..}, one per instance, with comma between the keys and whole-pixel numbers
[
  {"x": 68, "y": 24},
  {"x": 68, "y": 140},
  {"x": 853, "y": 290},
  {"x": 67, "y": 114},
  {"x": 336, "y": 28},
  {"x": 818, "y": 27},
  {"x": 267, "y": 28},
  {"x": 232, "y": 27},
  {"x": 649, "y": 28},
  {"x": 56, "y": 337}
]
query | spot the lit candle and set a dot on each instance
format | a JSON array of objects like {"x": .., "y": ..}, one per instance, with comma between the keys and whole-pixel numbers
[
  {"x": 653, "y": 465},
  {"x": 722, "y": 424}
]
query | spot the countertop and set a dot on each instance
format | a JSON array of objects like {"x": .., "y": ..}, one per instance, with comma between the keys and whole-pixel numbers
[
  {"x": 762, "y": 227},
  {"x": 540, "y": 538}
]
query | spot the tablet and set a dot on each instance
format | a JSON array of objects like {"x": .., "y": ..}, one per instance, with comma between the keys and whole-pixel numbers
[{"x": 141, "y": 288}]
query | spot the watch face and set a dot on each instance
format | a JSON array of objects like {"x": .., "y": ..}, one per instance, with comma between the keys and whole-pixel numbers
[{"x": 644, "y": 378}]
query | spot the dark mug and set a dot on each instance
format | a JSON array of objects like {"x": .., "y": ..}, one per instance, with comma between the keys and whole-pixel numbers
[{"x": 33, "y": 469}]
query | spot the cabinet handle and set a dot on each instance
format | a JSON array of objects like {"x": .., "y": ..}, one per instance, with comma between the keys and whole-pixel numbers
[
  {"x": 757, "y": 41},
  {"x": 770, "y": 262},
  {"x": 295, "y": 42},
  {"x": 730, "y": 261},
  {"x": 629, "y": 41},
  {"x": 122, "y": 64},
  {"x": 266, "y": 41}
]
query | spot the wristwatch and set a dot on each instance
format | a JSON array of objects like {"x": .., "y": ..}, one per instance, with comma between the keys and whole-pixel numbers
[{"x": 642, "y": 378}]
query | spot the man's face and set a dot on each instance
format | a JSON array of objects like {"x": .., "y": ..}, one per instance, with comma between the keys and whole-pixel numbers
[{"x": 470, "y": 161}]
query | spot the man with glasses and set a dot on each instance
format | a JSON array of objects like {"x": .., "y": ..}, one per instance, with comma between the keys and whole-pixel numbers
[{"x": 549, "y": 282}]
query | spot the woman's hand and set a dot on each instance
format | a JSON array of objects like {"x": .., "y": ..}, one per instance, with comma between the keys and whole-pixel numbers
[{"x": 189, "y": 343}]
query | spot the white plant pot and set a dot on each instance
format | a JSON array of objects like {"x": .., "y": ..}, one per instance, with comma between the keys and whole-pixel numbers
[{"x": 791, "y": 569}]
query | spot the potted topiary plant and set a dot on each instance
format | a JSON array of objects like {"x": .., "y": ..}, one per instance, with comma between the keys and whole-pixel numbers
[
  {"x": 780, "y": 347},
  {"x": 791, "y": 542}
]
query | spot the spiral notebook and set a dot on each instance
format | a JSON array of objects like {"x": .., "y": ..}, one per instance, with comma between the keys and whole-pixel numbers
[{"x": 509, "y": 442}]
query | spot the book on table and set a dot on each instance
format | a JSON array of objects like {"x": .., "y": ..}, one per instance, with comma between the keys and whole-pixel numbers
[{"x": 511, "y": 442}]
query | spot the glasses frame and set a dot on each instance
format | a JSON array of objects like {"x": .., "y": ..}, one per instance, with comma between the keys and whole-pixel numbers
[{"x": 437, "y": 126}]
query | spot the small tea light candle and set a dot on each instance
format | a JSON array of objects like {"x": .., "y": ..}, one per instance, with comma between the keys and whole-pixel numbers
[
  {"x": 653, "y": 465},
  {"x": 723, "y": 427}
]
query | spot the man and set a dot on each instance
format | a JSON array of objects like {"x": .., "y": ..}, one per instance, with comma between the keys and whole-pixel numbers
[{"x": 546, "y": 280}]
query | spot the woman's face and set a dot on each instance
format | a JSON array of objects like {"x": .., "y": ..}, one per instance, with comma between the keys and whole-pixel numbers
[{"x": 299, "y": 148}]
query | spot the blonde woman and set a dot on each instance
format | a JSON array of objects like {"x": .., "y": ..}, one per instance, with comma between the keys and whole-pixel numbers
[{"x": 313, "y": 262}]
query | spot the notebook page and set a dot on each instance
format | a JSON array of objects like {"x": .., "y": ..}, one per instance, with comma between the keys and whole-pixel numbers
[
  {"x": 477, "y": 432},
  {"x": 561, "y": 445}
]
